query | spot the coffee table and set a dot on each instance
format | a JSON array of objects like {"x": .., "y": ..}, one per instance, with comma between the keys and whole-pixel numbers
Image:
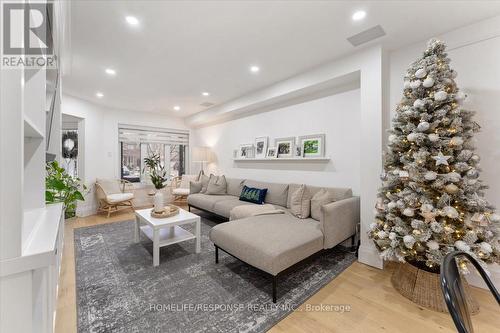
[{"x": 166, "y": 231}]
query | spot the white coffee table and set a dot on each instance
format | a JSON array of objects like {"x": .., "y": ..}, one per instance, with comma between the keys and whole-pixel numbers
[{"x": 166, "y": 231}]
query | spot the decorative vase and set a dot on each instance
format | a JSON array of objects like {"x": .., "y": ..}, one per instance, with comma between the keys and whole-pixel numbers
[
  {"x": 158, "y": 202},
  {"x": 424, "y": 288}
]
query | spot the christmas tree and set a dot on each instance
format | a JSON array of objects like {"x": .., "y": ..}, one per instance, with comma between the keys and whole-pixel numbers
[{"x": 431, "y": 201}]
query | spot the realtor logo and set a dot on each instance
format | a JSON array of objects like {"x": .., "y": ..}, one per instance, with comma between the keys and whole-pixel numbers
[{"x": 27, "y": 35}]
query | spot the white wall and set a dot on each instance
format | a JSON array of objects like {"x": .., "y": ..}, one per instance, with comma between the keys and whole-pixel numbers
[
  {"x": 99, "y": 139},
  {"x": 474, "y": 51},
  {"x": 336, "y": 116}
]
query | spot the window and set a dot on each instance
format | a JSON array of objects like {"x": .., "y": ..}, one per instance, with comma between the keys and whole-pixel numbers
[{"x": 136, "y": 143}]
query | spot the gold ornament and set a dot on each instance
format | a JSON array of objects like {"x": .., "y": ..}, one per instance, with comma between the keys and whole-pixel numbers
[{"x": 451, "y": 188}]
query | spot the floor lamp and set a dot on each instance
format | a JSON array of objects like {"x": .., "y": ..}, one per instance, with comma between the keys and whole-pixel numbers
[{"x": 200, "y": 154}]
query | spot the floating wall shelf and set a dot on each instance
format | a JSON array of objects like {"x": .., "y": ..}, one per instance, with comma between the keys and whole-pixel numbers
[{"x": 293, "y": 159}]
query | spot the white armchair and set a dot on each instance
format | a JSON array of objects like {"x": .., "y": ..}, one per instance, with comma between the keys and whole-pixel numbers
[
  {"x": 180, "y": 186},
  {"x": 112, "y": 196}
]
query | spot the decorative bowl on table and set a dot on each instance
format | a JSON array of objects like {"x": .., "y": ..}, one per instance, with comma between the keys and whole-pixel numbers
[{"x": 168, "y": 211}]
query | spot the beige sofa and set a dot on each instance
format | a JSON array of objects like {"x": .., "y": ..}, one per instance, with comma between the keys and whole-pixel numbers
[{"x": 274, "y": 243}]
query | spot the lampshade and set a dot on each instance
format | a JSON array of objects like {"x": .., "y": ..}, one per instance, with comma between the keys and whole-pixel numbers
[{"x": 200, "y": 154}]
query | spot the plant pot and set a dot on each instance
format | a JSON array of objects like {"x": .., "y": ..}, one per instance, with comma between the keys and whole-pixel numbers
[
  {"x": 424, "y": 288},
  {"x": 159, "y": 202}
]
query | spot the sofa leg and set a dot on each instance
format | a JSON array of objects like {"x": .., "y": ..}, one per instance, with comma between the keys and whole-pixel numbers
[
  {"x": 216, "y": 254},
  {"x": 275, "y": 282},
  {"x": 189, "y": 208}
]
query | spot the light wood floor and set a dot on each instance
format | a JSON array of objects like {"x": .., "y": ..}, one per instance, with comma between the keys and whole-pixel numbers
[{"x": 375, "y": 305}]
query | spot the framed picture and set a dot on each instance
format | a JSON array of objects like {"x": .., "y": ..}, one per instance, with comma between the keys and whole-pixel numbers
[
  {"x": 246, "y": 151},
  {"x": 261, "y": 147},
  {"x": 271, "y": 152},
  {"x": 285, "y": 147},
  {"x": 313, "y": 145}
]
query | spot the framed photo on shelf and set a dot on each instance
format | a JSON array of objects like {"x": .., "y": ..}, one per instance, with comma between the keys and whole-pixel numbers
[
  {"x": 261, "y": 147},
  {"x": 285, "y": 147},
  {"x": 312, "y": 145},
  {"x": 246, "y": 151},
  {"x": 271, "y": 152}
]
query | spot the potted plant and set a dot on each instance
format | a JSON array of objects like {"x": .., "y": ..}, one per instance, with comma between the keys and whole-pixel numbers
[
  {"x": 61, "y": 187},
  {"x": 158, "y": 176}
]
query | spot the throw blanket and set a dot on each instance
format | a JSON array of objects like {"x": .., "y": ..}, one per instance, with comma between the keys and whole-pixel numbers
[{"x": 240, "y": 212}]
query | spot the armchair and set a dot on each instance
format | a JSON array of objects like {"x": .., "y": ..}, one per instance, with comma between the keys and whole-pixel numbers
[
  {"x": 111, "y": 195},
  {"x": 180, "y": 186}
]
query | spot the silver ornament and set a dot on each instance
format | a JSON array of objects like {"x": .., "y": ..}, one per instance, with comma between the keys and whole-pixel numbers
[
  {"x": 428, "y": 82},
  {"x": 440, "y": 96},
  {"x": 415, "y": 84},
  {"x": 421, "y": 73}
]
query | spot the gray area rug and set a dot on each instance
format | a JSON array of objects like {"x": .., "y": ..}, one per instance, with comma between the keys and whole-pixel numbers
[{"x": 119, "y": 290}]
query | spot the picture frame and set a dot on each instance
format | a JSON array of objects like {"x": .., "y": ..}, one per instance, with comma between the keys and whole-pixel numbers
[
  {"x": 312, "y": 145},
  {"x": 246, "y": 151},
  {"x": 261, "y": 144},
  {"x": 285, "y": 147},
  {"x": 271, "y": 152}
]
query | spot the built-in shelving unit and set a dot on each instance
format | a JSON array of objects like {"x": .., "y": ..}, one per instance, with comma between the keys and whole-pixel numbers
[{"x": 292, "y": 159}]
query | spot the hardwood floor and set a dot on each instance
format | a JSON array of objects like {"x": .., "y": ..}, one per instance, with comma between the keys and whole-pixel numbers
[{"x": 374, "y": 304}]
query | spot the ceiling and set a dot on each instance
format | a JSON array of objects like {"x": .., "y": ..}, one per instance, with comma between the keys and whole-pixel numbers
[{"x": 182, "y": 48}]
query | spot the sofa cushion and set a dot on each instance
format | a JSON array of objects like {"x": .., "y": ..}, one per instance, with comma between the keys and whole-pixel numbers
[
  {"x": 271, "y": 243},
  {"x": 205, "y": 201},
  {"x": 277, "y": 194},
  {"x": 300, "y": 202},
  {"x": 180, "y": 191},
  {"x": 322, "y": 197},
  {"x": 109, "y": 186},
  {"x": 339, "y": 193},
  {"x": 224, "y": 207},
  {"x": 204, "y": 182},
  {"x": 234, "y": 186},
  {"x": 243, "y": 211},
  {"x": 253, "y": 195},
  {"x": 216, "y": 185}
]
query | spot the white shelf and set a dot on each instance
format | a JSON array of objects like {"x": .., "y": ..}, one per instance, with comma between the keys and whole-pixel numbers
[
  {"x": 292, "y": 159},
  {"x": 167, "y": 237},
  {"x": 31, "y": 130},
  {"x": 39, "y": 240}
]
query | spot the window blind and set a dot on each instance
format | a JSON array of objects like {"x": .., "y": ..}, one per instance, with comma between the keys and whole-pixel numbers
[{"x": 143, "y": 134}]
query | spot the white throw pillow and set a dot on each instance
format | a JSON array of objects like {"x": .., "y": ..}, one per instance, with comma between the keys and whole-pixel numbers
[{"x": 300, "y": 203}]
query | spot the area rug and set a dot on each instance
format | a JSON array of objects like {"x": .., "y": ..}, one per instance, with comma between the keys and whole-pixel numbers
[{"x": 119, "y": 290}]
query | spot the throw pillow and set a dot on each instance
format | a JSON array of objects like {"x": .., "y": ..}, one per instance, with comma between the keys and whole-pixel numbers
[
  {"x": 194, "y": 187},
  {"x": 321, "y": 198},
  {"x": 204, "y": 183},
  {"x": 216, "y": 185},
  {"x": 253, "y": 195},
  {"x": 300, "y": 203}
]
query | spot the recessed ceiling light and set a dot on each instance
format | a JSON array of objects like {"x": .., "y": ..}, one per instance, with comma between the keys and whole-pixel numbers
[
  {"x": 254, "y": 69},
  {"x": 359, "y": 15},
  {"x": 99, "y": 94},
  {"x": 110, "y": 71},
  {"x": 205, "y": 93},
  {"x": 132, "y": 20},
  {"x": 177, "y": 107}
]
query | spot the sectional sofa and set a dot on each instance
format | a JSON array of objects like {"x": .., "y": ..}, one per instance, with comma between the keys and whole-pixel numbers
[{"x": 275, "y": 243}]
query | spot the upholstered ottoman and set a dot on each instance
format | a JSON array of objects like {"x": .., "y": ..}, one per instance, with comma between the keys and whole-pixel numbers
[{"x": 271, "y": 243}]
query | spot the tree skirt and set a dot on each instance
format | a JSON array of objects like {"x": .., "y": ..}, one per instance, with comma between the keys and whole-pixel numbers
[{"x": 119, "y": 290}]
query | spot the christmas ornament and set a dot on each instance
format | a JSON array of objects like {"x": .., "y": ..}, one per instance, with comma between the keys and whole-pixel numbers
[
  {"x": 412, "y": 137},
  {"x": 404, "y": 175},
  {"x": 423, "y": 126},
  {"x": 456, "y": 141},
  {"x": 486, "y": 248},
  {"x": 450, "y": 212},
  {"x": 419, "y": 103},
  {"x": 429, "y": 216},
  {"x": 475, "y": 158},
  {"x": 494, "y": 218},
  {"x": 451, "y": 188},
  {"x": 391, "y": 205},
  {"x": 472, "y": 173},
  {"x": 453, "y": 177},
  {"x": 408, "y": 212},
  {"x": 440, "y": 96},
  {"x": 433, "y": 245},
  {"x": 406, "y": 84},
  {"x": 415, "y": 84},
  {"x": 462, "y": 246},
  {"x": 409, "y": 241},
  {"x": 392, "y": 138},
  {"x": 428, "y": 82},
  {"x": 433, "y": 137},
  {"x": 430, "y": 175},
  {"x": 441, "y": 159},
  {"x": 420, "y": 73}
]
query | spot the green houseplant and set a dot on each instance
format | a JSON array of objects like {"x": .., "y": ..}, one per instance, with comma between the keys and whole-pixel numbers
[
  {"x": 158, "y": 176},
  {"x": 61, "y": 187}
]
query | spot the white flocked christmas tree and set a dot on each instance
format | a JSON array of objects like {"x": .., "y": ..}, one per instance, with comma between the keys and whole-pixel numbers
[{"x": 432, "y": 201}]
